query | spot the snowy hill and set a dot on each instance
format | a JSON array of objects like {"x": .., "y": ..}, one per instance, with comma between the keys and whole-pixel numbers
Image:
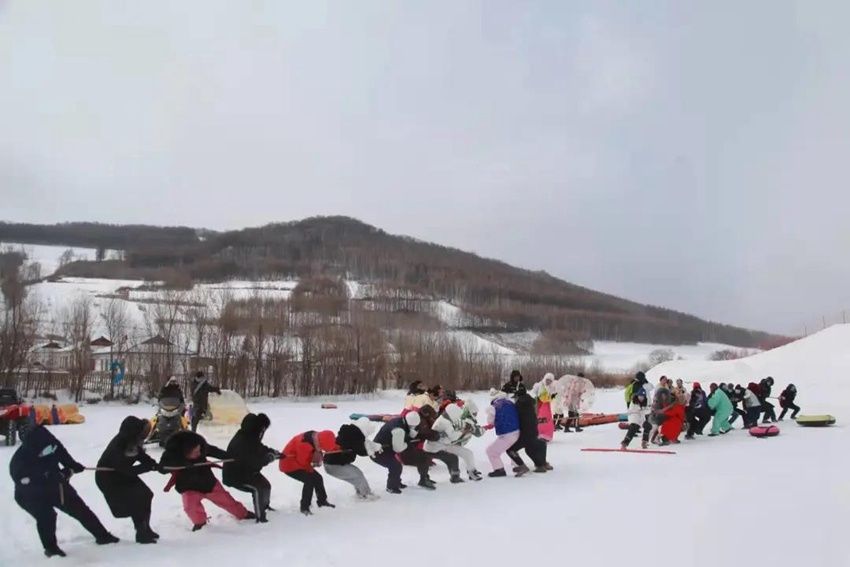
[{"x": 819, "y": 365}]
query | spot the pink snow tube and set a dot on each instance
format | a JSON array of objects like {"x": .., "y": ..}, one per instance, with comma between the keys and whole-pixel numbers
[
  {"x": 545, "y": 423},
  {"x": 764, "y": 431}
]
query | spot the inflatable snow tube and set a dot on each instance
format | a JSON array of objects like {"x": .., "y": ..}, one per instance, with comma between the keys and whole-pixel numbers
[
  {"x": 623, "y": 425},
  {"x": 815, "y": 420},
  {"x": 587, "y": 419},
  {"x": 58, "y": 414},
  {"x": 327, "y": 405},
  {"x": 379, "y": 417},
  {"x": 764, "y": 431}
]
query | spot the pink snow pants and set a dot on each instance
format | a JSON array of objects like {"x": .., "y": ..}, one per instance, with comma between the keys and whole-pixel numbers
[
  {"x": 498, "y": 447},
  {"x": 194, "y": 508}
]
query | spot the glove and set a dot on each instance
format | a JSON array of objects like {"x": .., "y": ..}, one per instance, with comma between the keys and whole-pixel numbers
[
  {"x": 78, "y": 468},
  {"x": 488, "y": 427},
  {"x": 66, "y": 473}
]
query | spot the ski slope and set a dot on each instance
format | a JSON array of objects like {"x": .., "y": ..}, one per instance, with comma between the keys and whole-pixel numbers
[
  {"x": 819, "y": 365},
  {"x": 696, "y": 508}
]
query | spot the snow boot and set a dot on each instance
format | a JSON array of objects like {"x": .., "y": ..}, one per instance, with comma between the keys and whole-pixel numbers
[
  {"x": 393, "y": 490},
  {"x": 689, "y": 436},
  {"x": 197, "y": 527},
  {"x": 54, "y": 551},
  {"x": 250, "y": 516},
  {"x": 427, "y": 483},
  {"x": 262, "y": 520},
  {"x": 475, "y": 475},
  {"x": 497, "y": 473},
  {"x": 307, "y": 511},
  {"x": 548, "y": 467},
  {"x": 712, "y": 434},
  {"x": 145, "y": 538},
  {"x": 541, "y": 469},
  {"x": 402, "y": 485},
  {"x": 106, "y": 539},
  {"x": 644, "y": 444},
  {"x": 521, "y": 470},
  {"x": 325, "y": 504},
  {"x": 456, "y": 478},
  {"x": 369, "y": 497}
]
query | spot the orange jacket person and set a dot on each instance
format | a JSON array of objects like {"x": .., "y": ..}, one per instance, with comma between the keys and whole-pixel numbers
[{"x": 299, "y": 460}]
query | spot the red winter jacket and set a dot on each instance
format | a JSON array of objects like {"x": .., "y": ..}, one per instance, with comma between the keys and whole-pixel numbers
[
  {"x": 299, "y": 452},
  {"x": 672, "y": 426}
]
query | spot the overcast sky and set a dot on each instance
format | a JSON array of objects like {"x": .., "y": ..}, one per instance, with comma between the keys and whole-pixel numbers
[{"x": 690, "y": 155}]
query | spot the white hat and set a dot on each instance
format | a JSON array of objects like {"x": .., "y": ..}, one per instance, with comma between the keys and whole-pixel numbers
[{"x": 413, "y": 419}]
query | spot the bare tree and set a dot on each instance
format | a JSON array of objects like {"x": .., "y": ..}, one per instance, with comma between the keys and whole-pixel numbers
[
  {"x": 116, "y": 320},
  {"x": 67, "y": 257},
  {"x": 18, "y": 325},
  {"x": 78, "y": 322}
]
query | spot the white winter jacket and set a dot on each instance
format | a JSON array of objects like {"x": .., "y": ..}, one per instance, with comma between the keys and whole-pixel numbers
[
  {"x": 750, "y": 399},
  {"x": 637, "y": 413}
]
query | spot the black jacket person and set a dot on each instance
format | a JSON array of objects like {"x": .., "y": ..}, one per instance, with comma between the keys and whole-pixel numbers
[
  {"x": 201, "y": 389},
  {"x": 124, "y": 491},
  {"x": 529, "y": 439},
  {"x": 249, "y": 457},
  {"x": 41, "y": 486}
]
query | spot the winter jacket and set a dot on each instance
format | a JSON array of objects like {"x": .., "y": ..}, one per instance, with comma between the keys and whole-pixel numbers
[
  {"x": 751, "y": 399},
  {"x": 300, "y": 453},
  {"x": 526, "y": 408},
  {"x": 721, "y": 405},
  {"x": 448, "y": 428},
  {"x": 673, "y": 423},
  {"x": 787, "y": 397},
  {"x": 122, "y": 488},
  {"x": 247, "y": 451},
  {"x": 764, "y": 389},
  {"x": 637, "y": 413},
  {"x": 510, "y": 387},
  {"x": 201, "y": 389},
  {"x": 351, "y": 442},
  {"x": 195, "y": 478},
  {"x": 504, "y": 416},
  {"x": 543, "y": 392},
  {"x": 34, "y": 467},
  {"x": 698, "y": 402},
  {"x": 663, "y": 398},
  {"x": 394, "y": 436}
]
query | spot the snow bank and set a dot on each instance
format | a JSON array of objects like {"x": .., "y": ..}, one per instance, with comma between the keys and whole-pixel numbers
[
  {"x": 819, "y": 365},
  {"x": 48, "y": 256}
]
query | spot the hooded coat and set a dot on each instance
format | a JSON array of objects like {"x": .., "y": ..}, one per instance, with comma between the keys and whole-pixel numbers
[
  {"x": 198, "y": 479},
  {"x": 721, "y": 405},
  {"x": 526, "y": 408},
  {"x": 788, "y": 395},
  {"x": 34, "y": 467},
  {"x": 122, "y": 488},
  {"x": 171, "y": 390},
  {"x": 247, "y": 451}
]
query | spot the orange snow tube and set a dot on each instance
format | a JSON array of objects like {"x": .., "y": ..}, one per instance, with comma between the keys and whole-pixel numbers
[{"x": 598, "y": 418}]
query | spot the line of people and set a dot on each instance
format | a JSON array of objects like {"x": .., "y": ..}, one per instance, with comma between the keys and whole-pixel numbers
[
  {"x": 434, "y": 425},
  {"x": 665, "y": 411}
]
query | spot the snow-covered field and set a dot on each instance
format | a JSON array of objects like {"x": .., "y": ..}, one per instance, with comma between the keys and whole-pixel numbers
[
  {"x": 48, "y": 256},
  {"x": 731, "y": 500}
]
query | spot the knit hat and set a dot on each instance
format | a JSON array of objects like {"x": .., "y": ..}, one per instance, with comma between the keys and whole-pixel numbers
[
  {"x": 696, "y": 385},
  {"x": 712, "y": 387},
  {"x": 412, "y": 419}
]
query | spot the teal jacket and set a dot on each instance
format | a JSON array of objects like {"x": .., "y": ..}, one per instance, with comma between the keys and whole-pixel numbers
[{"x": 719, "y": 402}]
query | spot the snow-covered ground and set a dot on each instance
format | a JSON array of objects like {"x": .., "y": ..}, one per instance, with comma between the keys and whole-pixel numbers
[
  {"x": 731, "y": 500},
  {"x": 622, "y": 357},
  {"x": 48, "y": 256}
]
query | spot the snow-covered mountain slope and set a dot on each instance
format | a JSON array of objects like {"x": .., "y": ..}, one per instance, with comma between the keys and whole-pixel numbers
[{"x": 819, "y": 365}]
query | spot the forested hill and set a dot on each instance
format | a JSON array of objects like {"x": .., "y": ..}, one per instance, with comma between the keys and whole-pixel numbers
[{"x": 497, "y": 296}]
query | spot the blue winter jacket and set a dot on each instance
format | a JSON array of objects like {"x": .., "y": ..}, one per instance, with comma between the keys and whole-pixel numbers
[
  {"x": 35, "y": 466},
  {"x": 507, "y": 417}
]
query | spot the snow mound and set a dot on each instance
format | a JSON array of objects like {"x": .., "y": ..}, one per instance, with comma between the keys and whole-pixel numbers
[{"x": 819, "y": 365}]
